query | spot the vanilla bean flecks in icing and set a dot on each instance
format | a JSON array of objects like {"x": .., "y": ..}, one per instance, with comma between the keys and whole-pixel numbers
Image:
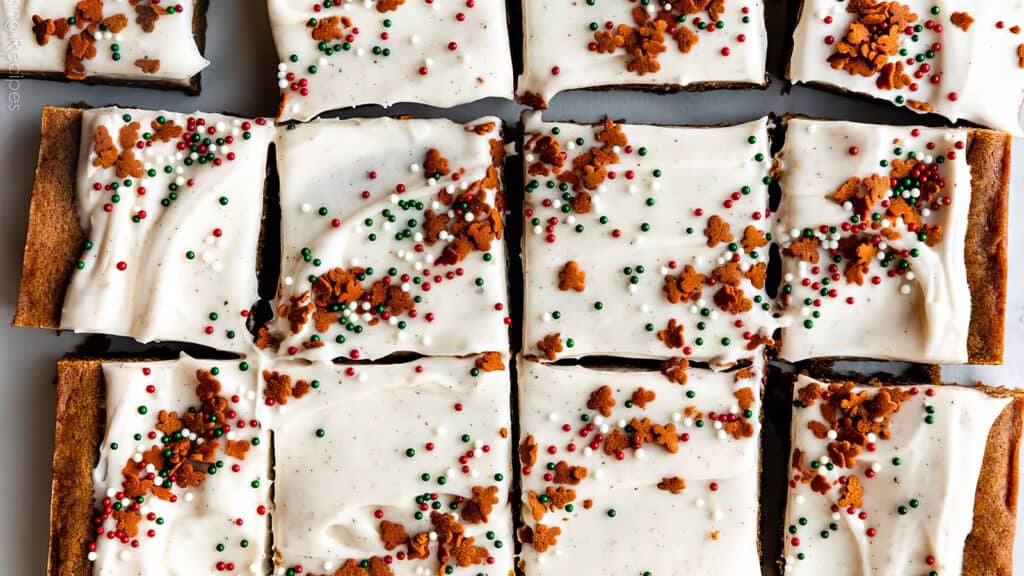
[
  {"x": 646, "y": 241},
  {"x": 343, "y": 53},
  {"x": 958, "y": 59},
  {"x": 639, "y": 472},
  {"x": 171, "y": 205},
  {"x": 882, "y": 480},
  {"x": 872, "y": 226},
  {"x": 392, "y": 239},
  {"x": 400, "y": 469},
  {"x": 137, "y": 40},
  {"x": 570, "y": 45},
  {"x": 182, "y": 484}
]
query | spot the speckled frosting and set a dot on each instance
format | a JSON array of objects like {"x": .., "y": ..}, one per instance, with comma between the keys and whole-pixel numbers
[
  {"x": 694, "y": 43},
  {"x": 646, "y": 241},
  {"x": 396, "y": 244},
  {"x": 963, "y": 60},
  {"x": 404, "y": 466},
  {"x": 882, "y": 480},
  {"x": 183, "y": 480},
  {"x": 344, "y": 53},
  {"x": 630, "y": 472},
  {"x": 171, "y": 205}
]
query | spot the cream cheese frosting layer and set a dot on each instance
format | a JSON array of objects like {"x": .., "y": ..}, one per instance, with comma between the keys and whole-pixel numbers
[
  {"x": 203, "y": 482},
  {"x": 171, "y": 205},
  {"x": 391, "y": 239},
  {"x": 960, "y": 59},
  {"x": 630, "y": 472},
  {"x": 114, "y": 39},
  {"x": 405, "y": 466},
  {"x": 872, "y": 223},
  {"x": 350, "y": 52},
  {"x": 574, "y": 44},
  {"x": 913, "y": 479},
  {"x": 646, "y": 241}
]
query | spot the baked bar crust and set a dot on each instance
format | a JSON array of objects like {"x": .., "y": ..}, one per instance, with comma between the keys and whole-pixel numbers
[
  {"x": 986, "y": 244},
  {"x": 989, "y": 546},
  {"x": 55, "y": 234},
  {"x": 80, "y": 417}
]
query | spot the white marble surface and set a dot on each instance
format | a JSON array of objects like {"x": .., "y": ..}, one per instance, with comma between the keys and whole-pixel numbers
[{"x": 242, "y": 80}]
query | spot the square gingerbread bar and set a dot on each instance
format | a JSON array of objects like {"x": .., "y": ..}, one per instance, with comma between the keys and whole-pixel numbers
[
  {"x": 400, "y": 469},
  {"x": 646, "y": 241},
  {"x": 893, "y": 242},
  {"x": 889, "y": 479},
  {"x": 636, "y": 472},
  {"x": 960, "y": 60},
  {"x": 392, "y": 239},
  {"x": 160, "y": 467},
  {"x": 692, "y": 45},
  {"x": 144, "y": 43},
  {"x": 146, "y": 224},
  {"x": 347, "y": 53}
]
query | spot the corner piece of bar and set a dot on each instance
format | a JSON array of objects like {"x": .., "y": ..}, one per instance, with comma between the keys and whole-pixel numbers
[
  {"x": 181, "y": 483},
  {"x": 962, "y": 61},
  {"x": 893, "y": 242},
  {"x": 146, "y": 224},
  {"x": 905, "y": 479},
  {"x": 141, "y": 43}
]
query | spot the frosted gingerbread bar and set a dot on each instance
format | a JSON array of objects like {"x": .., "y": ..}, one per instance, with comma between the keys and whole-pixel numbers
[
  {"x": 628, "y": 472},
  {"x": 394, "y": 244},
  {"x": 343, "y": 53},
  {"x": 901, "y": 479},
  {"x": 392, "y": 470},
  {"x": 963, "y": 60},
  {"x": 156, "y": 43},
  {"x": 691, "y": 44},
  {"x": 159, "y": 468},
  {"x": 646, "y": 241},
  {"x": 893, "y": 242},
  {"x": 146, "y": 224}
]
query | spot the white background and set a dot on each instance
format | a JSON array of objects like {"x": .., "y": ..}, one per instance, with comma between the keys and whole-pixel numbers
[{"x": 242, "y": 80}]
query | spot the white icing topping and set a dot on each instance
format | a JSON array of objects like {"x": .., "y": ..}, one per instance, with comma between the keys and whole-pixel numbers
[
  {"x": 186, "y": 533},
  {"x": 980, "y": 66},
  {"x": 324, "y": 210},
  {"x": 438, "y": 53},
  {"x": 709, "y": 527},
  {"x": 938, "y": 468},
  {"x": 171, "y": 42},
  {"x": 330, "y": 484},
  {"x": 185, "y": 271},
  {"x": 558, "y": 54},
  {"x": 701, "y": 169},
  {"x": 922, "y": 316}
]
